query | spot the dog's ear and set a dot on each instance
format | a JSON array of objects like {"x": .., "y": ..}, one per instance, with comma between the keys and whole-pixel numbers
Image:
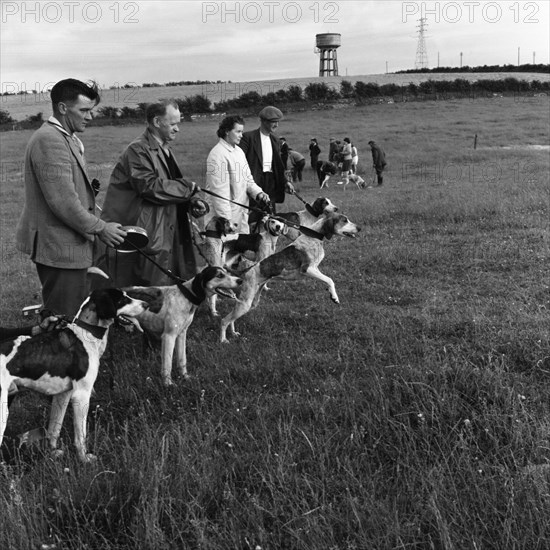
[
  {"x": 318, "y": 206},
  {"x": 328, "y": 227},
  {"x": 105, "y": 302},
  {"x": 207, "y": 274},
  {"x": 222, "y": 225}
]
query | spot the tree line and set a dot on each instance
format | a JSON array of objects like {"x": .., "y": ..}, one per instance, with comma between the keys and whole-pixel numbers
[{"x": 322, "y": 93}]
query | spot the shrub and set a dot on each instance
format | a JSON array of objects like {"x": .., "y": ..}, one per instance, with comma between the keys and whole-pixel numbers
[
  {"x": 316, "y": 91},
  {"x": 5, "y": 117},
  {"x": 294, "y": 93},
  {"x": 346, "y": 89},
  {"x": 369, "y": 89},
  {"x": 109, "y": 112},
  {"x": 35, "y": 118}
]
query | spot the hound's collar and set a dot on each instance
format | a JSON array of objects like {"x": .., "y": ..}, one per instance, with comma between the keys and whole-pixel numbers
[
  {"x": 311, "y": 211},
  {"x": 94, "y": 330},
  {"x": 196, "y": 295},
  {"x": 319, "y": 236},
  {"x": 212, "y": 234}
]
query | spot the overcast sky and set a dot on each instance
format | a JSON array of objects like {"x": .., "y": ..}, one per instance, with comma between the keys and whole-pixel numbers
[{"x": 118, "y": 42}]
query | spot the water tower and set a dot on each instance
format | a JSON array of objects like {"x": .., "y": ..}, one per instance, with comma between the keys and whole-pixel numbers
[{"x": 326, "y": 46}]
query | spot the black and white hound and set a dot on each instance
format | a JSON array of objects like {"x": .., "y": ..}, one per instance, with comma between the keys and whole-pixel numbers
[
  {"x": 227, "y": 251},
  {"x": 172, "y": 309},
  {"x": 301, "y": 258},
  {"x": 311, "y": 213},
  {"x": 64, "y": 363}
]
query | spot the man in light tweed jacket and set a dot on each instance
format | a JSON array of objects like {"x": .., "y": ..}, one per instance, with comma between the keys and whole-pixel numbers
[{"x": 59, "y": 225}]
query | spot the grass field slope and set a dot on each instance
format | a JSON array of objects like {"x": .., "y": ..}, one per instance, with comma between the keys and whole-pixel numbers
[{"x": 415, "y": 415}]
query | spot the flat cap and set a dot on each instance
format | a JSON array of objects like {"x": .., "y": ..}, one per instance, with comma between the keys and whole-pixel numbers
[{"x": 270, "y": 113}]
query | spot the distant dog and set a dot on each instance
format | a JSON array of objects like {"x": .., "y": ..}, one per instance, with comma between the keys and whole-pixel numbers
[
  {"x": 301, "y": 258},
  {"x": 65, "y": 362},
  {"x": 358, "y": 180},
  {"x": 172, "y": 309}
]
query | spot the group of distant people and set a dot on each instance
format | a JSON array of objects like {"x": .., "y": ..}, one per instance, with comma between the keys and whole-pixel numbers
[
  {"x": 63, "y": 233},
  {"x": 342, "y": 156}
]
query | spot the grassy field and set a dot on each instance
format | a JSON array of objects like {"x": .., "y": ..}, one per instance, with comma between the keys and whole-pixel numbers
[
  {"x": 412, "y": 416},
  {"x": 22, "y": 106}
]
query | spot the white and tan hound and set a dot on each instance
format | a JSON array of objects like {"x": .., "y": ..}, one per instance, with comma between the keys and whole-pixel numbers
[
  {"x": 300, "y": 258},
  {"x": 172, "y": 309}
]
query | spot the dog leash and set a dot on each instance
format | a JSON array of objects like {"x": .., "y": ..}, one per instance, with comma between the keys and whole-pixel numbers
[
  {"x": 305, "y": 230},
  {"x": 306, "y": 204},
  {"x": 194, "y": 299}
]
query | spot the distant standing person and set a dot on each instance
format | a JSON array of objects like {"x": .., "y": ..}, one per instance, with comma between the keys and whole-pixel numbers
[
  {"x": 147, "y": 189},
  {"x": 346, "y": 161},
  {"x": 314, "y": 152},
  {"x": 378, "y": 161},
  {"x": 333, "y": 150},
  {"x": 284, "y": 151},
  {"x": 59, "y": 225},
  {"x": 354, "y": 159},
  {"x": 263, "y": 154}
]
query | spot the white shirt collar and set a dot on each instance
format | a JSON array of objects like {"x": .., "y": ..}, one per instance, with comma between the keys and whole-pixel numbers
[{"x": 54, "y": 122}]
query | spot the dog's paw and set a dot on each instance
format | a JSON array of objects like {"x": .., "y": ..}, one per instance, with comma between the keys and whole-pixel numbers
[
  {"x": 335, "y": 300},
  {"x": 167, "y": 382},
  {"x": 57, "y": 453},
  {"x": 89, "y": 458}
]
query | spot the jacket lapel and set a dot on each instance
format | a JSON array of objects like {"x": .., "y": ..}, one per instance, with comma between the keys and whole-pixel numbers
[
  {"x": 257, "y": 141},
  {"x": 155, "y": 146},
  {"x": 75, "y": 150}
]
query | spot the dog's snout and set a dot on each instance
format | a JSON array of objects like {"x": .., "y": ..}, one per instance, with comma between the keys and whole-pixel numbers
[
  {"x": 239, "y": 281},
  {"x": 145, "y": 305}
]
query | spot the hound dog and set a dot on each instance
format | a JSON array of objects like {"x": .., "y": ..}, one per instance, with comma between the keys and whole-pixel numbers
[
  {"x": 301, "y": 258},
  {"x": 311, "y": 212},
  {"x": 259, "y": 245},
  {"x": 217, "y": 231},
  {"x": 64, "y": 363},
  {"x": 358, "y": 180},
  {"x": 172, "y": 309}
]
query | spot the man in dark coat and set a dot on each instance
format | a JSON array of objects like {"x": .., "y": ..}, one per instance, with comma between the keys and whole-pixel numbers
[
  {"x": 378, "y": 161},
  {"x": 333, "y": 150},
  {"x": 148, "y": 190},
  {"x": 284, "y": 152},
  {"x": 263, "y": 154},
  {"x": 314, "y": 152}
]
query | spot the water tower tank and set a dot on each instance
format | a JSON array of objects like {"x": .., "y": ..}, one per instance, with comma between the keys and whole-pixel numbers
[{"x": 327, "y": 43}]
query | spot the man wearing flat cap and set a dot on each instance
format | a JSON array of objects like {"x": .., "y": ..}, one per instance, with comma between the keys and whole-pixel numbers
[{"x": 263, "y": 153}]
